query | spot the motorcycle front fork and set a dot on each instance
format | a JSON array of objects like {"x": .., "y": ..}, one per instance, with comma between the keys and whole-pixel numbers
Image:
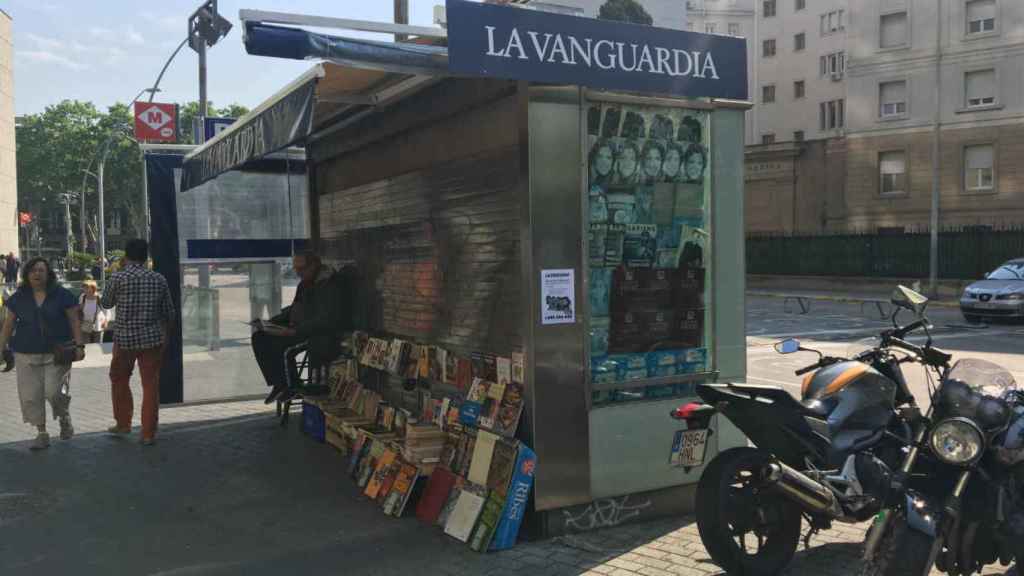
[{"x": 948, "y": 522}]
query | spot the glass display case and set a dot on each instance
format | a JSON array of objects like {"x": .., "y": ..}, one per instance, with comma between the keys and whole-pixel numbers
[{"x": 648, "y": 245}]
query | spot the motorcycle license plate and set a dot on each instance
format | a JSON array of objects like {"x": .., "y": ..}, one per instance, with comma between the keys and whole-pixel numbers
[{"x": 689, "y": 448}]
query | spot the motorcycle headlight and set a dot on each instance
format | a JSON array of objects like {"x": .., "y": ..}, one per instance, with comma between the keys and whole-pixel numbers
[{"x": 957, "y": 441}]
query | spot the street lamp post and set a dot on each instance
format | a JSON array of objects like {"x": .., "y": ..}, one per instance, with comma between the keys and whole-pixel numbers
[
  {"x": 205, "y": 28},
  {"x": 66, "y": 200}
]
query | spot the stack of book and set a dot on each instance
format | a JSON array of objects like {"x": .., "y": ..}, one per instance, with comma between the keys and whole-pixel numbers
[
  {"x": 456, "y": 462},
  {"x": 385, "y": 476},
  {"x": 423, "y": 445},
  {"x": 478, "y": 492}
]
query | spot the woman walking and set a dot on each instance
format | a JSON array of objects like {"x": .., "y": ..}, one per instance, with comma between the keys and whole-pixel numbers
[
  {"x": 91, "y": 314},
  {"x": 47, "y": 335}
]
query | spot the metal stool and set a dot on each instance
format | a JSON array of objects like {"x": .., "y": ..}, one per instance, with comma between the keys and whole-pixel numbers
[{"x": 310, "y": 383}]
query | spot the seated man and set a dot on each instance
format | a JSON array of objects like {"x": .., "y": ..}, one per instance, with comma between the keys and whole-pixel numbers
[{"x": 314, "y": 323}]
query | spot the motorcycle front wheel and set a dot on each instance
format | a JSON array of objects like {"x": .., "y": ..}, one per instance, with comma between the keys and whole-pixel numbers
[
  {"x": 745, "y": 530},
  {"x": 903, "y": 551}
]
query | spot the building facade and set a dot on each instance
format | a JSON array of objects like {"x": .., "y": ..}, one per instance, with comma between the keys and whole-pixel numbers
[
  {"x": 733, "y": 18},
  {"x": 922, "y": 70},
  {"x": 8, "y": 175},
  {"x": 664, "y": 13}
]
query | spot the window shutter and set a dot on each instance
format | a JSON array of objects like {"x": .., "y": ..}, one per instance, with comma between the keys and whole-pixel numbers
[
  {"x": 978, "y": 157},
  {"x": 893, "y": 30},
  {"x": 980, "y": 84},
  {"x": 981, "y": 10},
  {"x": 891, "y": 163},
  {"x": 893, "y": 92}
]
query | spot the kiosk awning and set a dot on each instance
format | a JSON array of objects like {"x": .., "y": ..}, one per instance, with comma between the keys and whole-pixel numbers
[
  {"x": 298, "y": 44},
  {"x": 359, "y": 76}
]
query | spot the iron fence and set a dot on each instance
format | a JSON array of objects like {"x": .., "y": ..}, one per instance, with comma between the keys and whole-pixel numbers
[{"x": 964, "y": 253}]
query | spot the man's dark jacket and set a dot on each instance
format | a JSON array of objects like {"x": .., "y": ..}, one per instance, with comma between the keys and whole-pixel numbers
[{"x": 326, "y": 307}]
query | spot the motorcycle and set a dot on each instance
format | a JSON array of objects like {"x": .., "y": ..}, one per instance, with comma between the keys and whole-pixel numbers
[
  {"x": 959, "y": 494},
  {"x": 826, "y": 458}
]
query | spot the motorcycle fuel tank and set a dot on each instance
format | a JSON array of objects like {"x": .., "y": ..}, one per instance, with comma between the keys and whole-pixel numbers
[{"x": 851, "y": 397}]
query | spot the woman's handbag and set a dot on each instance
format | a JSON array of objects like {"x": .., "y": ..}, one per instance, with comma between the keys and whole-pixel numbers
[{"x": 63, "y": 352}]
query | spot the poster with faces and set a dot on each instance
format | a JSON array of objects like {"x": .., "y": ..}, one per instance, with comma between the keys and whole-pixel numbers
[
  {"x": 647, "y": 166},
  {"x": 631, "y": 145}
]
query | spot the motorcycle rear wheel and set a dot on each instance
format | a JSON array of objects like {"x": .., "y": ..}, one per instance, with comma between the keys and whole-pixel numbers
[
  {"x": 903, "y": 551},
  {"x": 732, "y": 513}
]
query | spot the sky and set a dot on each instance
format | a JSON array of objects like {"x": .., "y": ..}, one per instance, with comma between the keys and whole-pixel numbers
[{"x": 106, "y": 51}]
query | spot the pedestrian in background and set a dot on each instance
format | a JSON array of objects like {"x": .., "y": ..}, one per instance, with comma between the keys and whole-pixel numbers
[
  {"x": 43, "y": 316},
  {"x": 141, "y": 328},
  {"x": 91, "y": 314},
  {"x": 11, "y": 270}
]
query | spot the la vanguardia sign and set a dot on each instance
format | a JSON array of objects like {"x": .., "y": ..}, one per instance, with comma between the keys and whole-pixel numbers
[{"x": 509, "y": 42}]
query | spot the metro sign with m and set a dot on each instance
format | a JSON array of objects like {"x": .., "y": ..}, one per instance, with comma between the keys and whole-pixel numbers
[{"x": 155, "y": 122}]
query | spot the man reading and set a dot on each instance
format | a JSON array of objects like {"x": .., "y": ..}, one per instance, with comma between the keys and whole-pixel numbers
[{"x": 313, "y": 323}]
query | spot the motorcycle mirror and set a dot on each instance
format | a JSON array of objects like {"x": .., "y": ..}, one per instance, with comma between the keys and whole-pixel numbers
[
  {"x": 907, "y": 299},
  {"x": 787, "y": 346}
]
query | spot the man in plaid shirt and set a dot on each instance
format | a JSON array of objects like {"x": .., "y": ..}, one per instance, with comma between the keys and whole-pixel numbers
[{"x": 141, "y": 325}]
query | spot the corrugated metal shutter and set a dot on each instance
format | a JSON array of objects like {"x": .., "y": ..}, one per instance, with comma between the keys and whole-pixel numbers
[{"x": 438, "y": 251}]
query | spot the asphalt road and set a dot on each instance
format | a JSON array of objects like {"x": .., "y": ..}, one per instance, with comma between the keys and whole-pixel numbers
[{"x": 834, "y": 328}]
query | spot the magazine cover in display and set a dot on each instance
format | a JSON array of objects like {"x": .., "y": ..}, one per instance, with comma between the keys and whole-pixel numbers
[{"x": 647, "y": 190}]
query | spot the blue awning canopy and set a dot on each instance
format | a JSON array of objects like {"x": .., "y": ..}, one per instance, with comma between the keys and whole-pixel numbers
[
  {"x": 298, "y": 44},
  {"x": 329, "y": 93}
]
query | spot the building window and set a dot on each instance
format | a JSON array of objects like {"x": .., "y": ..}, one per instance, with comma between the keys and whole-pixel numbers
[
  {"x": 980, "y": 88},
  {"x": 798, "y": 136},
  {"x": 979, "y": 168},
  {"x": 691, "y": 26},
  {"x": 767, "y": 138},
  {"x": 734, "y": 29},
  {"x": 892, "y": 99},
  {"x": 892, "y": 173},
  {"x": 769, "y": 8},
  {"x": 981, "y": 16},
  {"x": 768, "y": 48},
  {"x": 799, "y": 42},
  {"x": 892, "y": 30},
  {"x": 831, "y": 115},
  {"x": 768, "y": 94},
  {"x": 800, "y": 5},
  {"x": 832, "y": 22},
  {"x": 833, "y": 65},
  {"x": 709, "y": 27},
  {"x": 799, "y": 89}
]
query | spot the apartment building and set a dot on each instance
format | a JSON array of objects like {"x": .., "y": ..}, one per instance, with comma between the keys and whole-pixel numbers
[
  {"x": 920, "y": 70},
  {"x": 664, "y": 13},
  {"x": 8, "y": 178},
  {"x": 733, "y": 18}
]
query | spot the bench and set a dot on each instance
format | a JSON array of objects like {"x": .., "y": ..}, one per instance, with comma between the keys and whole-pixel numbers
[{"x": 803, "y": 302}]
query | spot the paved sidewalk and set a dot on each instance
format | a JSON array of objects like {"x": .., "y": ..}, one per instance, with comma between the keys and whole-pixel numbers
[{"x": 227, "y": 491}]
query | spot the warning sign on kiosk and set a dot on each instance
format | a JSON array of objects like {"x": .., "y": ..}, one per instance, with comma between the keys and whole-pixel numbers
[
  {"x": 558, "y": 296},
  {"x": 156, "y": 122}
]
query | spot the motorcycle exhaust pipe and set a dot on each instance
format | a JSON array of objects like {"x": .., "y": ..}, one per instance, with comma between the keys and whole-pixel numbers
[{"x": 801, "y": 490}]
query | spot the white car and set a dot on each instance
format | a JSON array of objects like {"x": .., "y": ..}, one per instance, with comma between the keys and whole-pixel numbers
[{"x": 999, "y": 295}]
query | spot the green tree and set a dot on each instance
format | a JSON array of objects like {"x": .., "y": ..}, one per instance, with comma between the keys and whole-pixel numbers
[
  {"x": 625, "y": 11},
  {"x": 56, "y": 146},
  {"x": 51, "y": 147}
]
